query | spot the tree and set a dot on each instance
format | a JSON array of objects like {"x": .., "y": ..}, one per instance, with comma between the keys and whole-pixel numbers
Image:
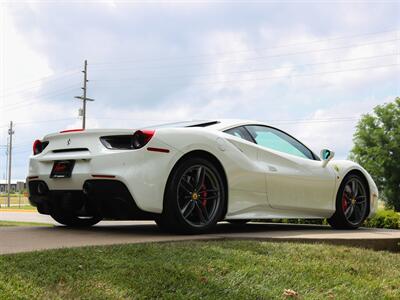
[{"x": 377, "y": 149}]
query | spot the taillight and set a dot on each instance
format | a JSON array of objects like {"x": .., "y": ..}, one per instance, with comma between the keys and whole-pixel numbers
[
  {"x": 39, "y": 146},
  {"x": 141, "y": 138},
  {"x": 127, "y": 142}
]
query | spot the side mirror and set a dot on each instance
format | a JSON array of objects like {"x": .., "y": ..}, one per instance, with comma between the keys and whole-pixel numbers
[{"x": 326, "y": 156}]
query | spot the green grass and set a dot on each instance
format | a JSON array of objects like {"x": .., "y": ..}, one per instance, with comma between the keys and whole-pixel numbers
[
  {"x": 14, "y": 199},
  {"x": 207, "y": 270},
  {"x": 23, "y": 207},
  {"x": 14, "y": 223}
]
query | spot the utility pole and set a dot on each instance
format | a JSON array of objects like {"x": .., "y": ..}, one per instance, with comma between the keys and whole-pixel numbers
[
  {"x": 83, "y": 97},
  {"x": 10, "y": 132}
]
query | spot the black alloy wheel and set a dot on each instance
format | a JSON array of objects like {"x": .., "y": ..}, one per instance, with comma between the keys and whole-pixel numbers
[
  {"x": 351, "y": 203},
  {"x": 195, "y": 197}
]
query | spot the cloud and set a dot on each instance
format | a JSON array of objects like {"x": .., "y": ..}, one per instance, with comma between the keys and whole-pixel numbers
[{"x": 152, "y": 63}]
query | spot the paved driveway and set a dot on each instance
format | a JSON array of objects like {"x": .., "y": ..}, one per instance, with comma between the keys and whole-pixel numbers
[{"x": 21, "y": 239}]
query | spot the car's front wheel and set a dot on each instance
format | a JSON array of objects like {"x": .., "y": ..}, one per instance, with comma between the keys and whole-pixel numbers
[
  {"x": 351, "y": 203},
  {"x": 75, "y": 221},
  {"x": 195, "y": 197}
]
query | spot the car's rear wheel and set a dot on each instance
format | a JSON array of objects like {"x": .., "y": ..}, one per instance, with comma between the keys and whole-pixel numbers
[
  {"x": 351, "y": 203},
  {"x": 195, "y": 197},
  {"x": 75, "y": 221}
]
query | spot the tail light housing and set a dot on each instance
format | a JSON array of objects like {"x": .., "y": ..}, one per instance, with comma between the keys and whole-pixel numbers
[
  {"x": 39, "y": 146},
  {"x": 141, "y": 138},
  {"x": 128, "y": 142}
]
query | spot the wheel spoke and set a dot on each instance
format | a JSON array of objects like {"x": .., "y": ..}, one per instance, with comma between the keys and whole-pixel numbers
[
  {"x": 354, "y": 188},
  {"x": 349, "y": 211},
  {"x": 201, "y": 173},
  {"x": 213, "y": 197},
  {"x": 200, "y": 212},
  {"x": 361, "y": 202},
  {"x": 357, "y": 213},
  {"x": 186, "y": 186},
  {"x": 347, "y": 190},
  {"x": 204, "y": 210},
  {"x": 211, "y": 191},
  {"x": 187, "y": 210}
]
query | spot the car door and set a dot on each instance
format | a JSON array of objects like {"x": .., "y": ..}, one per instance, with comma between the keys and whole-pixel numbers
[
  {"x": 295, "y": 176},
  {"x": 247, "y": 185}
]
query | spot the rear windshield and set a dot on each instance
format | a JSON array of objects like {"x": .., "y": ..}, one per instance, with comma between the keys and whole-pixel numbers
[{"x": 185, "y": 124}]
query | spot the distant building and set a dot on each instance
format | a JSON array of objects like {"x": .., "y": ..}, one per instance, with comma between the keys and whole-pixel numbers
[{"x": 17, "y": 185}]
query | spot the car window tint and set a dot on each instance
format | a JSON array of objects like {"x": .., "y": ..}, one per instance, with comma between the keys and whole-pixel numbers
[
  {"x": 277, "y": 140},
  {"x": 240, "y": 132}
]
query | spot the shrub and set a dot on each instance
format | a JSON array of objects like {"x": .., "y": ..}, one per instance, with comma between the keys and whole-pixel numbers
[{"x": 384, "y": 219}]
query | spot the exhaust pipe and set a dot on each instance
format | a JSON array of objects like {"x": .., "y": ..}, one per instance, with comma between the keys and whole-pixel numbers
[
  {"x": 42, "y": 189},
  {"x": 87, "y": 189}
]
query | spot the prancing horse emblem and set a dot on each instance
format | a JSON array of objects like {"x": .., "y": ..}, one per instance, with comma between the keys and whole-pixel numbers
[{"x": 68, "y": 142}]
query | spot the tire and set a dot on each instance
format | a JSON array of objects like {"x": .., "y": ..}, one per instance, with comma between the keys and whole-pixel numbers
[
  {"x": 238, "y": 221},
  {"x": 75, "y": 221},
  {"x": 352, "y": 203},
  {"x": 194, "y": 199}
]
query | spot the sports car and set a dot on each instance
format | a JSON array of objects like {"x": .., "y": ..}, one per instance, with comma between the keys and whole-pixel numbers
[{"x": 188, "y": 176}]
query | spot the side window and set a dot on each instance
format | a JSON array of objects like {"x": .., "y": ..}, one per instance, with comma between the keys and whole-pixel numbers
[
  {"x": 277, "y": 140},
  {"x": 240, "y": 132}
]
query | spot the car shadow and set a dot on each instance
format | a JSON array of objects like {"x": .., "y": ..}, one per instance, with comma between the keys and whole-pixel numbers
[{"x": 222, "y": 228}]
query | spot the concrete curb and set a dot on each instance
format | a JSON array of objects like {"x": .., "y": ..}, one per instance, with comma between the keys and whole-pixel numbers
[{"x": 25, "y": 239}]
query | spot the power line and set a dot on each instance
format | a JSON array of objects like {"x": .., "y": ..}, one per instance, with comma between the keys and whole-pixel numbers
[
  {"x": 44, "y": 121},
  {"x": 258, "y": 57},
  {"x": 252, "y": 70},
  {"x": 18, "y": 89},
  {"x": 23, "y": 104},
  {"x": 279, "y": 76},
  {"x": 251, "y": 50}
]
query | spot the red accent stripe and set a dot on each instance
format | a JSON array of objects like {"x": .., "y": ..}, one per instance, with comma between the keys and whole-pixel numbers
[
  {"x": 71, "y": 130},
  {"x": 33, "y": 177},
  {"x": 158, "y": 150},
  {"x": 103, "y": 176}
]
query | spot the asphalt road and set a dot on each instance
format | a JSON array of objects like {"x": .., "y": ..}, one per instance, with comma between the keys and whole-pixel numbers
[{"x": 22, "y": 239}]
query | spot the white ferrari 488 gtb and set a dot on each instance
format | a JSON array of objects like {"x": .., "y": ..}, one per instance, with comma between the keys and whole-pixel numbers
[{"x": 188, "y": 176}]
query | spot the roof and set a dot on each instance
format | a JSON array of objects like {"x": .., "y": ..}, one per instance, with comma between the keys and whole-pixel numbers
[
  {"x": 220, "y": 124},
  {"x": 227, "y": 123}
]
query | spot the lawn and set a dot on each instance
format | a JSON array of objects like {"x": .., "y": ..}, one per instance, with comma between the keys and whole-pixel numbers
[
  {"x": 22, "y": 207},
  {"x": 14, "y": 200},
  {"x": 207, "y": 270},
  {"x": 14, "y": 223}
]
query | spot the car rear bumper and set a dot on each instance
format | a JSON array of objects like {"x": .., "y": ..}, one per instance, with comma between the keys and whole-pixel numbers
[{"x": 109, "y": 199}]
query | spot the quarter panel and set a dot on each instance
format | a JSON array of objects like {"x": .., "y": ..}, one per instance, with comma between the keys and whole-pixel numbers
[{"x": 238, "y": 158}]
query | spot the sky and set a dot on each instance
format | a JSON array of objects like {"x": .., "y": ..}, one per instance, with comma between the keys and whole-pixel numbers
[{"x": 310, "y": 68}]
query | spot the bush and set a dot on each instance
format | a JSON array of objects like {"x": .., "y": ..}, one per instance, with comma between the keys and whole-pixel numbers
[
  {"x": 298, "y": 221},
  {"x": 384, "y": 219}
]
